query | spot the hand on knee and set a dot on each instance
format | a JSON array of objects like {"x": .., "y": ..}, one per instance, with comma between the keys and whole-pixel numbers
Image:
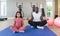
[{"x": 22, "y": 28}]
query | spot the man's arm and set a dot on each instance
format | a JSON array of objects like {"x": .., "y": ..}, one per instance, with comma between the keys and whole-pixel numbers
[{"x": 31, "y": 16}]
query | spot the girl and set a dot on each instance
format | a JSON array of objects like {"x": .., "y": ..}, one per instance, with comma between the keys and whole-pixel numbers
[
  {"x": 18, "y": 25},
  {"x": 37, "y": 20}
]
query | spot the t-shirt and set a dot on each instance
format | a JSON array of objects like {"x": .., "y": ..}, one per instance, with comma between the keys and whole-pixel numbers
[
  {"x": 18, "y": 22},
  {"x": 36, "y": 16}
]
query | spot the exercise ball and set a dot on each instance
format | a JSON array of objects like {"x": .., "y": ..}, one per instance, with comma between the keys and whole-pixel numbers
[
  {"x": 57, "y": 22},
  {"x": 50, "y": 21}
]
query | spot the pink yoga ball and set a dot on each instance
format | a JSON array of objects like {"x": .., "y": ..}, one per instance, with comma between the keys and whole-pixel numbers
[
  {"x": 50, "y": 21},
  {"x": 57, "y": 22}
]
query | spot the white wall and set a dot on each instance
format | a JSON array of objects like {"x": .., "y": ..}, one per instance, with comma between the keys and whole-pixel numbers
[
  {"x": 0, "y": 7},
  {"x": 11, "y": 7}
]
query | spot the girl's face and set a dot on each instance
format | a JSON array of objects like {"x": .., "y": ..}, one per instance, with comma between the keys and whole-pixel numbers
[{"x": 18, "y": 15}]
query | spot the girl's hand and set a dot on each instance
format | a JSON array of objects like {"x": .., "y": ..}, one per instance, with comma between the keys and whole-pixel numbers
[{"x": 12, "y": 25}]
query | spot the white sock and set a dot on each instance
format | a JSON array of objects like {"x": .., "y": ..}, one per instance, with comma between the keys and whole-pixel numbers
[
  {"x": 31, "y": 26},
  {"x": 42, "y": 27},
  {"x": 22, "y": 31},
  {"x": 13, "y": 31}
]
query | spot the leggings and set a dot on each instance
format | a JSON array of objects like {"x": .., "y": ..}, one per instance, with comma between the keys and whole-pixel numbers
[
  {"x": 13, "y": 28},
  {"x": 35, "y": 24}
]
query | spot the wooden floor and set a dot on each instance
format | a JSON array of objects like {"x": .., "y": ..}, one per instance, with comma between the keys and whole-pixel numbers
[
  {"x": 55, "y": 29},
  {"x": 5, "y": 24}
]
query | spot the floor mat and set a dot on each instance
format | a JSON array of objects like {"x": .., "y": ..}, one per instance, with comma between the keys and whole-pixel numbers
[{"x": 29, "y": 32}]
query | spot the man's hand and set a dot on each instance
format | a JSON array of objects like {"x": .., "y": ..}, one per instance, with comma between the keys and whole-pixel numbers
[{"x": 41, "y": 18}]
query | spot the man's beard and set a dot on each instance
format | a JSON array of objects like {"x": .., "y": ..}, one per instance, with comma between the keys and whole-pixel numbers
[{"x": 36, "y": 11}]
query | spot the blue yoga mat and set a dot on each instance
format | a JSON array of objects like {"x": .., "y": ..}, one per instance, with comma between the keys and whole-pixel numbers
[{"x": 29, "y": 32}]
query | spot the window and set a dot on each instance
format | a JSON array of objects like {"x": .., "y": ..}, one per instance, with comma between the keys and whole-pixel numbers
[
  {"x": 3, "y": 8},
  {"x": 49, "y": 8}
]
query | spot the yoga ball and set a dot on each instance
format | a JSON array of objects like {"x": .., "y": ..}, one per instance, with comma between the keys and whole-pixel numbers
[
  {"x": 57, "y": 22},
  {"x": 50, "y": 21}
]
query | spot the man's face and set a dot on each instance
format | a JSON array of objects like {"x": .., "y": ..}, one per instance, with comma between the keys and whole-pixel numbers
[{"x": 36, "y": 9}]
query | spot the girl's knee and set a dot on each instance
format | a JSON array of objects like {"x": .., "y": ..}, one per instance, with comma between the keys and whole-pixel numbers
[
  {"x": 23, "y": 28},
  {"x": 11, "y": 27}
]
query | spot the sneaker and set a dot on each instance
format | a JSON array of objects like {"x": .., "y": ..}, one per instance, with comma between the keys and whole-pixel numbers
[{"x": 40, "y": 27}]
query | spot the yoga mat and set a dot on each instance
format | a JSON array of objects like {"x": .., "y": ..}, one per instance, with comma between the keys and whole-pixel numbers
[{"x": 29, "y": 32}]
